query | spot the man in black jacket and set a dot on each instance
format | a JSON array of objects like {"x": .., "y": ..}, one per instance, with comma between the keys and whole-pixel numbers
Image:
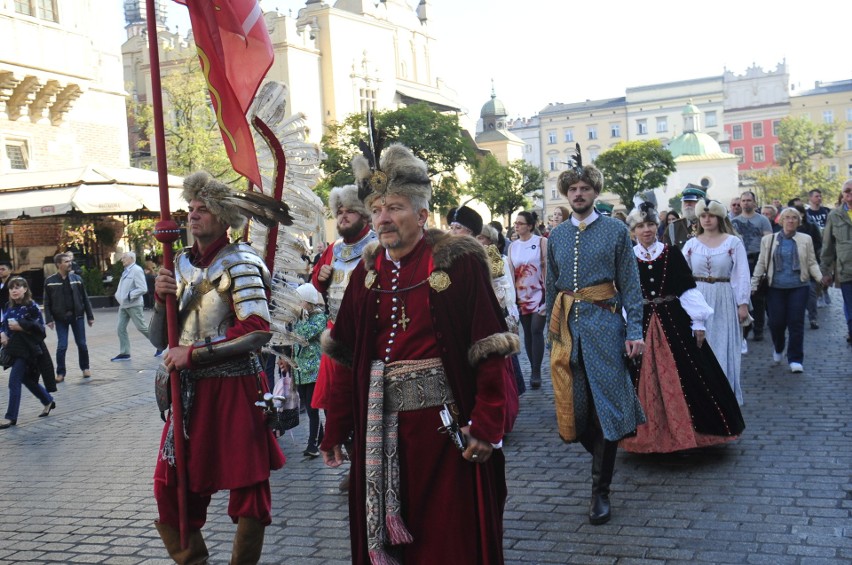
[
  {"x": 65, "y": 304},
  {"x": 5, "y": 276}
]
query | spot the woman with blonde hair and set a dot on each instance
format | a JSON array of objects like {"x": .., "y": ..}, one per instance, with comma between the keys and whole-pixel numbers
[
  {"x": 719, "y": 265},
  {"x": 788, "y": 261}
]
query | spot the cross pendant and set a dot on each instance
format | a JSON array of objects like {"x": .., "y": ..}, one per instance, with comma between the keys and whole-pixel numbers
[{"x": 403, "y": 320}]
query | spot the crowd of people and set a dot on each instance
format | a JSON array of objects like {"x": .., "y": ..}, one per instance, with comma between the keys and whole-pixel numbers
[{"x": 406, "y": 355}]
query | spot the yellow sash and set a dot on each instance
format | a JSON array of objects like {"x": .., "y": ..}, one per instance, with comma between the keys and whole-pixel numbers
[{"x": 560, "y": 352}]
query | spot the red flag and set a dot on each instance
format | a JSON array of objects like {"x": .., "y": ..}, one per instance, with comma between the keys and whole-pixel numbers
[{"x": 235, "y": 52}]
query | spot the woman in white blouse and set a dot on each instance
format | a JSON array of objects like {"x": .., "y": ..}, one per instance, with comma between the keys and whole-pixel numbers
[{"x": 719, "y": 264}]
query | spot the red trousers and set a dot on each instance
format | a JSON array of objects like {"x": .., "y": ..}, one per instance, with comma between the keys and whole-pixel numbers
[{"x": 253, "y": 501}]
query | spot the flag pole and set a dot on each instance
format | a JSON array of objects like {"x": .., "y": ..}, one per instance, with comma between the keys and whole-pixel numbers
[{"x": 167, "y": 232}]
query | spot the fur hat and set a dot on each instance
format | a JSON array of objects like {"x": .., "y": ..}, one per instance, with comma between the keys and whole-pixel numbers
[
  {"x": 490, "y": 232},
  {"x": 713, "y": 207},
  {"x": 399, "y": 172},
  {"x": 309, "y": 294},
  {"x": 215, "y": 195},
  {"x": 644, "y": 212},
  {"x": 468, "y": 217},
  {"x": 347, "y": 197},
  {"x": 589, "y": 174}
]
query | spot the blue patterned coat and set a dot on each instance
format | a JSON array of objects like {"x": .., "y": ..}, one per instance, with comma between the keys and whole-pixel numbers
[{"x": 605, "y": 254}]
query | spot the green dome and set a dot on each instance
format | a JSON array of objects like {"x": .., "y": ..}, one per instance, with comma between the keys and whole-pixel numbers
[
  {"x": 493, "y": 109},
  {"x": 694, "y": 143},
  {"x": 690, "y": 109}
]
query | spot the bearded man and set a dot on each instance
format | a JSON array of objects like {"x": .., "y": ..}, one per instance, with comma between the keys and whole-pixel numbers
[{"x": 685, "y": 227}]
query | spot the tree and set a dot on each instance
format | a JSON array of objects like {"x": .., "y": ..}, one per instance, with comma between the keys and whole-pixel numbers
[
  {"x": 436, "y": 138},
  {"x": 505, "y": 188},
  {"x": 632, "y": 167},
  {"x": 801, "y": 146},
  {"x": 193, "y": 138}
]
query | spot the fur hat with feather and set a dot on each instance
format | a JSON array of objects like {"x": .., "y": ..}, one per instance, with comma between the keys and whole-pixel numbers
[
  {"x": 399, "y": 172},
  {"x": 232, "y": 207},
  {"x": 576, "y": 172}
]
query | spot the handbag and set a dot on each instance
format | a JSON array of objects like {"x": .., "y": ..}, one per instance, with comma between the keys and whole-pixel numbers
[
  {"x": 288, "y": 411},
  {"x": 5, "y": 359},
  {"x": 762, "y": 286},
  {"x": 763, "y": 282}
]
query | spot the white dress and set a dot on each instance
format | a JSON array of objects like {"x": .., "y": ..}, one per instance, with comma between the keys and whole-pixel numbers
[{"x": 723, "y": 333}]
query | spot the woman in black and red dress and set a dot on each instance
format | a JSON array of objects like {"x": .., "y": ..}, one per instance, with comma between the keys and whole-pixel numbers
[{"x": 687, "y": 399}]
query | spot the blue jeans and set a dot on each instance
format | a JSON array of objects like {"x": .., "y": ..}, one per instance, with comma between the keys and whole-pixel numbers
[
  {"x": 17, "y": 377},
  {"x": 78, "y": 326},
  {"x": 786, "y": 312}
]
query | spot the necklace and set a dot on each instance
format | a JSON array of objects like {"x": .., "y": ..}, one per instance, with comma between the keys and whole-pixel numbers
[{"x": 400, "y": 295}]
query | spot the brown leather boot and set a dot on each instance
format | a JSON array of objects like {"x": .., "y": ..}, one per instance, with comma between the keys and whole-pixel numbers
[
  {"x": 196, "y": 552},
  {"x": 248, "y": 543}
]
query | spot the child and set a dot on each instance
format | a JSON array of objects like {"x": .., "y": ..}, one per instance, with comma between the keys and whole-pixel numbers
[
  {"x": 307, "y": 359},
  {"x": 22, "y": 336}
]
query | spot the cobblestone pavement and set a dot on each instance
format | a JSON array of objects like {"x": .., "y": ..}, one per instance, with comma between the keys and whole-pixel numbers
[{"x": 76, "y": 487}]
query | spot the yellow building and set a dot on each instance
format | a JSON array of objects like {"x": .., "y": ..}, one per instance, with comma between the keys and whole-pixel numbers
[{"x": 830, "y": 103}]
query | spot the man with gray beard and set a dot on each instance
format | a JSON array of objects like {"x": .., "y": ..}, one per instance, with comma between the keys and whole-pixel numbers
[{"x": 685, "y": 228}]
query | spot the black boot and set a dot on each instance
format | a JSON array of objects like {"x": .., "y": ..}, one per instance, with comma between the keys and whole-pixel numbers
[{"x": 603, "y": 464}]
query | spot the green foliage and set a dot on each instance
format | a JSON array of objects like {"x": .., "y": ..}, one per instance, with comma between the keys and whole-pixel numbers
[
  {"x": 802, "y": 145},
  {"x": 632, "y": 167},
  {"x": 193, "y": 139},
  {"x": 436, "y": 138},
  {"x": 93, "y": 281},
  {"x": 505, "y": 188},
  {"x": 140, "y": 234}
]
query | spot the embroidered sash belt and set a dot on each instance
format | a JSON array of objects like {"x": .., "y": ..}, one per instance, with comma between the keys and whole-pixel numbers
[
  {"x": 233, "y": 368},
  {"x": 659, "y": 300},
  {"x": 712, "y": 280},
  {"x": 400, "y": 386},
  {"x": 561, "y": 341}
]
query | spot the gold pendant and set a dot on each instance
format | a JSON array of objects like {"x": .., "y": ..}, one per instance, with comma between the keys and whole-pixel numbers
[
  {"x": 582, "y": 226},
  {"x": 370, "y": 278},
  {"x": 403, "y": 320},
  {"x": 439, "y": 281}
]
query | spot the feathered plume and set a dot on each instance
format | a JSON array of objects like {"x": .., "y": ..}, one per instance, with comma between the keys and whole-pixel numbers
[
  {"x": 576, "y": 162},
  {"x": 368, "y": 173},
  {"x": 260, "y": 207},
  {"x": 289, "y": 166}
]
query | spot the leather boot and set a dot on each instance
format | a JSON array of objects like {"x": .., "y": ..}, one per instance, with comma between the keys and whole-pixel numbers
[
  {"x": 603, "y": 464},
  {"x": 248, "y": 543},
  {"x": 196, "y": 551}
]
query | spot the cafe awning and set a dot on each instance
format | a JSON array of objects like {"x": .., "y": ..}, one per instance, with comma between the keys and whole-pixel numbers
[{"x": 89, "y": 190}]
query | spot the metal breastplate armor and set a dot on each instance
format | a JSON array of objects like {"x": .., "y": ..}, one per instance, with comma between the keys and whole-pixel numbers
[
  {"x": 345, "y": 258},
  {"x": 204, "y": 295}
]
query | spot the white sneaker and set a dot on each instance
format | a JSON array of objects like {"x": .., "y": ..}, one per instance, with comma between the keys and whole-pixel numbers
[
  {"x": 744, "y": 348},
  {"x": 776, "y": 357},
  {"x": 796, "y": 368}
]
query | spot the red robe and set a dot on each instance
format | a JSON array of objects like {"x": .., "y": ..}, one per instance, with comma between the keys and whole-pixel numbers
[
  {"x": 230, "y": 446},
  {"x": 453, "y": 508}
]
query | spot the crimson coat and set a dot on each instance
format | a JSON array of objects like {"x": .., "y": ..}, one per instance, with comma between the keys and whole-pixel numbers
[{"x": 453, "y": 508}]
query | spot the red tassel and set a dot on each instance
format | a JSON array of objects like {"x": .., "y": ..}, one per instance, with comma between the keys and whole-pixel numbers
[
  {"x": 379, "y": 557},
  {"x": 396, "y": 530}
]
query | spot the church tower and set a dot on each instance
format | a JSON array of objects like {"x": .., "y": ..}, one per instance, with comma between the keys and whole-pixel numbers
[{"x": 135, "y": 14}]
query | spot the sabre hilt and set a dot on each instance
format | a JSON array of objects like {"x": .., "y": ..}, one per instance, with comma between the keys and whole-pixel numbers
[{"x": 451, "y": 428}]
